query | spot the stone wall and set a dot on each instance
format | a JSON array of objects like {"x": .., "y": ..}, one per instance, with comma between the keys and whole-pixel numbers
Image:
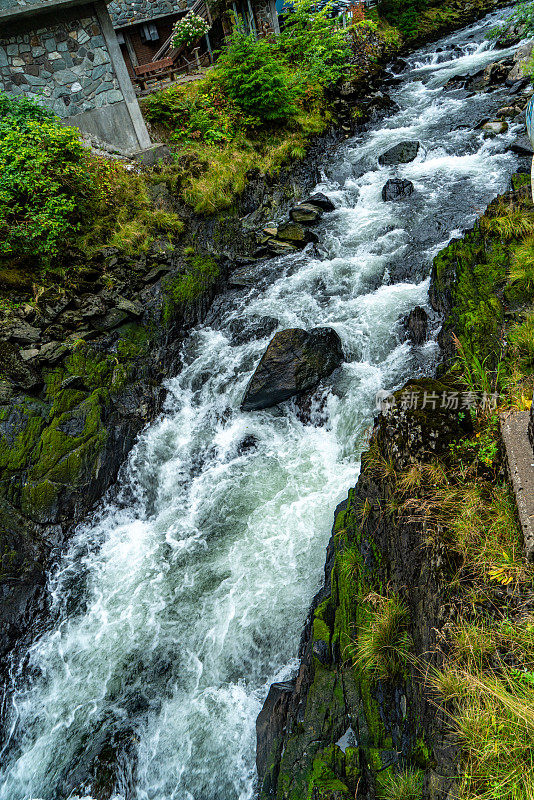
[
  {"x": 66, "y": 63},
  {"x": 132, "y": 13}
]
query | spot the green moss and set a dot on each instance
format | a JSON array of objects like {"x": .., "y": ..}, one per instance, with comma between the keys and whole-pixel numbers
[
  {"x": 323, "y": 781},
  {"x": 39, "y": 500},
  {"x": 519, "y": 180}
]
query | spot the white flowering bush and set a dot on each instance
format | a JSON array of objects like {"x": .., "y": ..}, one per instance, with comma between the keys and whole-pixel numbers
[{"x": 188, "y": 29}]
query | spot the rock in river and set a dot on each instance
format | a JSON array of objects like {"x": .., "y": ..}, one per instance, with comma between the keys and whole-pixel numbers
[
  {"x": 402, "y": 153},
  {"x": 306, "y": 214},
  {"x": 397, "y": 189},
  {"x": 295, "y": 362},
  {"x": 416, "y": 324}
]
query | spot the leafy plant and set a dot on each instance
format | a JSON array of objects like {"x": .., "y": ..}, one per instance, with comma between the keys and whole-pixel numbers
[
  {"x": 45, "y": 184},
  {"x": 256, "y": 78},
  {"x": 311, "y": 40},
  {"x": 187, "y": 30}
]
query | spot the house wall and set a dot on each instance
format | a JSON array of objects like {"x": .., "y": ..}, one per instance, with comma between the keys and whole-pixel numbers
[{"x": 72, "y": 61}]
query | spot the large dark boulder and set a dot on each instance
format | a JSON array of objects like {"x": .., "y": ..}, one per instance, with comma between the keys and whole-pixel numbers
[
  {"x": 417, "y": 325},
  {"x": 294, "y": 362},
  {"x": 402, "y": 153},
  {"x": 397, "y": 189}
]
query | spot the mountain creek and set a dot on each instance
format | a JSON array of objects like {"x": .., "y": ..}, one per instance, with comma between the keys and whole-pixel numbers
[{"x": 176, "y": 604}]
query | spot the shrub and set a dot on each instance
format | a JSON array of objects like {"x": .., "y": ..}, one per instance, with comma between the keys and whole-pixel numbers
[
  {"x": 45, "y": 184},
  {"x": 255, "y": 78},
  {"x": 311, "y": 41},
  {"x": 199, "y": 112}
]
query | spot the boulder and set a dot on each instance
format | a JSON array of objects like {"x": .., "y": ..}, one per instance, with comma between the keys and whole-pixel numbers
[
  {"x": 13, "y": 367},
  {"x": 495, "y": 127},
  {"x": 295, "y": 361},
  {"x": 52, "y": 352},
  {"x": 129, "y": 306},
  {"x": 496, "y": 73},
  {"x": 321, "y": 201},
  {"x": 306, "y": 214},
  {"x": 280, "y": 248},
  {"x": 23, "y": 333},
  {"x": 401, "y": 153},
  {"x": 92, "y": 306},
  {"x": 296, "y": 234},
  {"x": 416, "y": 324},
  {"x": 397, "y": 66},
  {"x": 397, "y": 189}
]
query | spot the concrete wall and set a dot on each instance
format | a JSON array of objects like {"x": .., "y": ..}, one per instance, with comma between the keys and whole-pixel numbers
[{"x": 72, "y": 62}]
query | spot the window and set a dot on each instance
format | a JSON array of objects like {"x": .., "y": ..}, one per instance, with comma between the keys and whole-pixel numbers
[{"x": 149, "y": 33}]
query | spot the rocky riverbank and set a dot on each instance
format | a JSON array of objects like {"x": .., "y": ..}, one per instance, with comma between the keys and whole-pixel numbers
[
  {"x": 400, "y": 582},
  {"x": 83, "y": 363}
]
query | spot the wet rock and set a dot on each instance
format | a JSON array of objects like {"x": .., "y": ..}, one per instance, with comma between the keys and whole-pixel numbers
[
  {"x": 50, "y": 303},
  {"x": 519, "y": 86},
  {"x": 397, "y": 66},
  {"x": 508, "y": 111},
  {"x": 92, "y": 306},
  {"x": 306, "y": 214},
  {"x": 296, "y": 234},
  {"x": 321, "y": 201},
  {"x": 70, "y": 318},
  {"x": 23, "y": 333},
  {"x": 457, "y": 82},
  {"x": 30, "y": 354},
  {"x": 6, "y": 391},
  {"x": 397, "y": 189},
  {"x": 496, "y": 73},
  {"x": 321, "y": 652},
  {"x": 243, "y": 329},
  {"x": 416, "y": 324},
  {"x": 295, "y": 361},
  {"x": 18, "y": 371},
  {"x": 156, "y": 273},
  {"x": 401, "y": 153},
  {"x": 130, "y": 307},
  {"x": 280, "y": 248},
  {"x": 507, "y": 39},
  {"x": 52, "y": 352},
  {"x": 250, "y": 442},
  {"x": 495, "y": 127},
  {"x": 522, "y": 147},
  {"x": 270, "y": 726},
  {"x": 111, "y": 320}
]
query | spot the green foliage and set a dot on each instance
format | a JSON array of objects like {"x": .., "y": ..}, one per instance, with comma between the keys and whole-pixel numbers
[
  {"x": 196, "y": 113},
  {"x": 311, "y": 41},
  {"x": 45, "y": 181},
  {"x": 201, "y": 273},
  {"x": 255, "y": 78},
  {"x": 383, "y": 642},
  {"x": 406, "y": 785}
]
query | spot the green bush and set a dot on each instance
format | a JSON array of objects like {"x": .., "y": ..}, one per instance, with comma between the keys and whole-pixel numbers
[
  {"x": 255, "y": 77},
  {"x": 45, "y": 182},
  {"x": 196, "y": 113},
  {"x": 311, "y": 41}
]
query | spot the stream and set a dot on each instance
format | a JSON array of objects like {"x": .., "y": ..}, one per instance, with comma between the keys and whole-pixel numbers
[{"x": 184, "y": 597}]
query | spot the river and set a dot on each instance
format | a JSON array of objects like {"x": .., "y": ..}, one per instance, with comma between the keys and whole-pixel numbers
[{"x": 178, "y": 604}]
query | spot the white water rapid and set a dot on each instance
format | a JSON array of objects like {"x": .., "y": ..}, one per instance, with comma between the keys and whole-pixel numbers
[{"x": 184, "y": 598}]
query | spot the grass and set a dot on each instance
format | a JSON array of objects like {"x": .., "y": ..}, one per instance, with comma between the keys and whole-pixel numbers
[
  {"x": 209, "y": 176},
  {"x": 488, "y": 688},
  {"x": 382, "y": 642},
  {"x": 407, "y": 785}
]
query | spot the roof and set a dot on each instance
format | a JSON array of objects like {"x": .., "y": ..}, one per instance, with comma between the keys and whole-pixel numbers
[
  {"x": 11, "y": 9},
  {"x": 131, "y": 12}
]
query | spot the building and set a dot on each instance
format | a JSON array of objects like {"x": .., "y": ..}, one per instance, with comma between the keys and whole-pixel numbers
[
  {"x": 144, "y": 27},
  {"x": 66, "y": 53}
]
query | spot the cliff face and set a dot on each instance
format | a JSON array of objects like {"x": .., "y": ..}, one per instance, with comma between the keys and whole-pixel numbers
[
  {"x": 341, "y": 729},
  {"x": 408, "y": 547}
]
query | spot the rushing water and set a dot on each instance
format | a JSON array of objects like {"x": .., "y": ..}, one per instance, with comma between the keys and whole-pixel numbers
[{"x": 184, "y": 598}]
